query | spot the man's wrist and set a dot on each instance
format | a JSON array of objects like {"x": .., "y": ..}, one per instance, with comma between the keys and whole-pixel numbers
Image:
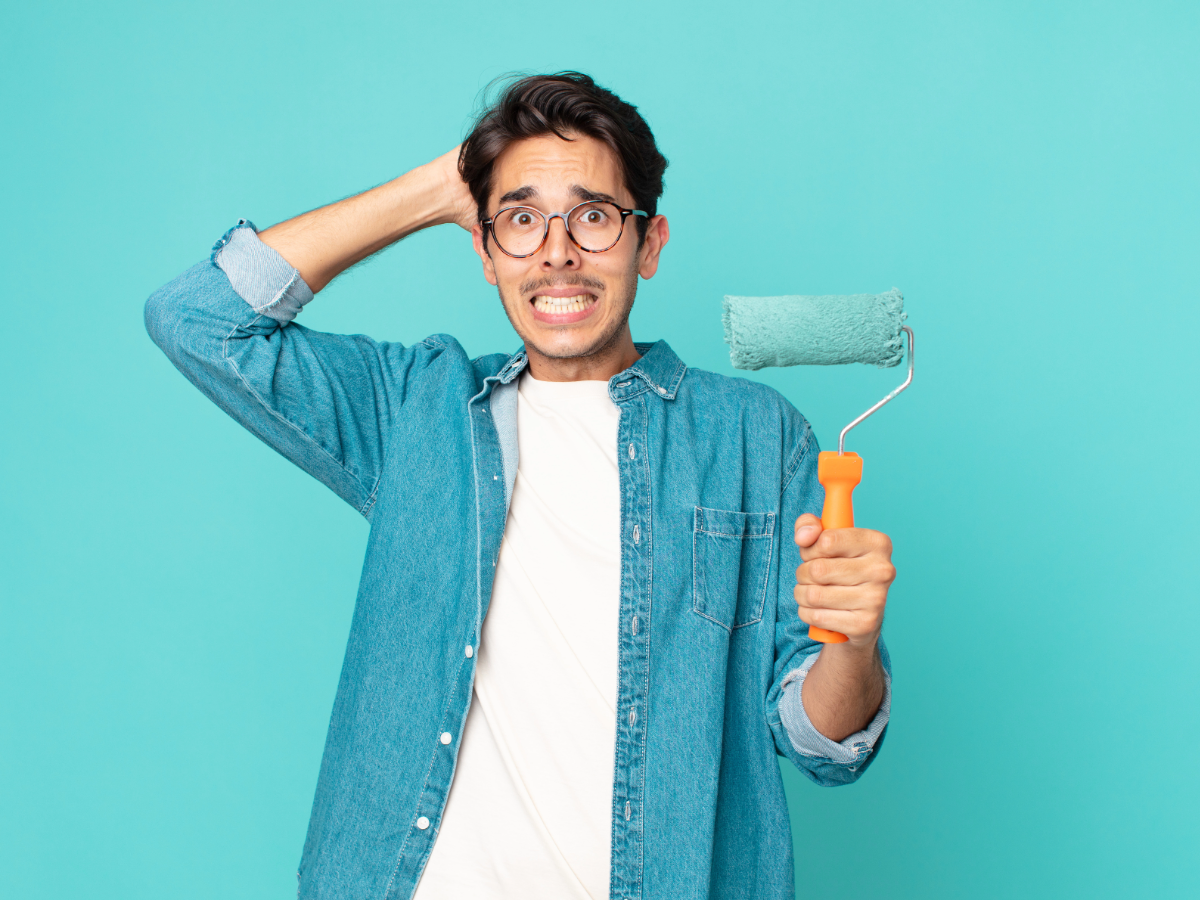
[
  {"x": 414, "y": 201},
  {"x": 861, "y": 652},
  {"x": 844, "y": 688}
]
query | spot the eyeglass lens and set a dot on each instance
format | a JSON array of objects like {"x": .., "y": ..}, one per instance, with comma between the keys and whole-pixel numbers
[{"x": 519, "y": 230}]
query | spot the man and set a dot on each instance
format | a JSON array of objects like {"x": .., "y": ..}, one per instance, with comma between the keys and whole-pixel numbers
[{"x": 580, "y": 640}]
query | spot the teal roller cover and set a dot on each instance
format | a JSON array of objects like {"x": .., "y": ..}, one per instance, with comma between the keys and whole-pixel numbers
[{"x": 814, "y": 331}]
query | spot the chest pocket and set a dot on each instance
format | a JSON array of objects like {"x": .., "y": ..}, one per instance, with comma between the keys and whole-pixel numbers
[{"x": 731, "y": 558}]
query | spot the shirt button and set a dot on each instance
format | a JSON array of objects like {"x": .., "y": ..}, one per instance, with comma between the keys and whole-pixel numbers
[
  {"x": 632, "y": 451},
  {"x": 445, "y": 738},
  {"x": 637, "y": 534},
  {"x": 470, "y": 651},
  {"x": 422, "y": 823}
]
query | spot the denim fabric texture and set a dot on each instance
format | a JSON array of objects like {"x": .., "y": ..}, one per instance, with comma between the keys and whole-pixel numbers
[{"x": 421, "y": 440}]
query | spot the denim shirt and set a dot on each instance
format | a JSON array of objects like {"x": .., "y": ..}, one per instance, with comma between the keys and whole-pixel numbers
[{"x": 422, "y": 441}]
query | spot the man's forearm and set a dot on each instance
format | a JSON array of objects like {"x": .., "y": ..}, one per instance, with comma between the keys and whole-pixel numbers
[
  {"x": 844, "y": 689},
  {"x": 324, "y": 242}
]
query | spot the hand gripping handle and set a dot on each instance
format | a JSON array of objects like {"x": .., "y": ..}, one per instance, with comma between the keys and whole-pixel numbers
[{"x": 840, "y": 473}]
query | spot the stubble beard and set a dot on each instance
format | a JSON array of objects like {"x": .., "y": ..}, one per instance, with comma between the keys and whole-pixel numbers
[{"x": 604, "y": 341}]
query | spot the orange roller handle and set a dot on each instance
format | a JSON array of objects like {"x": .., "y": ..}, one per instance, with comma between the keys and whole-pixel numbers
[{"x": 840, "y": 475}]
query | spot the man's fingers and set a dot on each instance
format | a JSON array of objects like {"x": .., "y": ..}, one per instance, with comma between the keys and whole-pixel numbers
[
  {"x": 843, "y": 583},
  {"x": 846, "y": 542},
  {"x": 853, "y": 624},
  {"x": 808, "y": 529},
  {"x": 864, "y": 598},
  {"x": 846, "y": 571}
]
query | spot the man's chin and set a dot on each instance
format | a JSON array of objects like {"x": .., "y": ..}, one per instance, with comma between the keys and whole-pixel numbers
[{"x": 575, "y": 347}]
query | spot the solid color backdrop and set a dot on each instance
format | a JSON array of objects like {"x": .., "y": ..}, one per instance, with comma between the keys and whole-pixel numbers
[{"x": 175, "y": 597}]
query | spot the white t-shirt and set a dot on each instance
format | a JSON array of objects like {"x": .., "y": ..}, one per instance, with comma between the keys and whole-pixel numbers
[{"x": 530, "y": 809}]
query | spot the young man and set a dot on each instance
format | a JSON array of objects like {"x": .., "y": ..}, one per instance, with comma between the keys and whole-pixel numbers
[{"x": 580, "y": 639}]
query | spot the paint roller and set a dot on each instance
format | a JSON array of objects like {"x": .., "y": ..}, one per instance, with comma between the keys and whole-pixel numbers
[{"x": 823, "y": 331}]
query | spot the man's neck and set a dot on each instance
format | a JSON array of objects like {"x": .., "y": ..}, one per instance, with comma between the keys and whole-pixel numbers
[{"x": 600, "y": 366}]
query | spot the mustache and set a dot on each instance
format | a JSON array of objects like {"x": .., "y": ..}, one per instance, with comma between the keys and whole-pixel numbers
[{"x": 532, "y": 286}]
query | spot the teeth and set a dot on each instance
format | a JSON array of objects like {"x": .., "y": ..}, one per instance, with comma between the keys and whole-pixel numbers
[{"x": 561, "y": 305}]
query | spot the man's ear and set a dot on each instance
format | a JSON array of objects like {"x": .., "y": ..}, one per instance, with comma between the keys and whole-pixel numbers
[
  {"x": 489, "y": 271},
  {"x": 657, "y": 235}
]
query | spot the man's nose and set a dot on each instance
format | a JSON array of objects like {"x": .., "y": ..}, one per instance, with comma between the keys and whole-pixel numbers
[{"x": 560, "y": 251}]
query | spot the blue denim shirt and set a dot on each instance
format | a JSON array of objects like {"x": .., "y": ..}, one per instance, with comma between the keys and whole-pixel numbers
[{"x": 422, "y": 441}]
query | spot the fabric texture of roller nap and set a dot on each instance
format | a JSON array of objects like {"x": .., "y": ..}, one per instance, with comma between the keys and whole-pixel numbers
[{"x": 814, "y": 331}]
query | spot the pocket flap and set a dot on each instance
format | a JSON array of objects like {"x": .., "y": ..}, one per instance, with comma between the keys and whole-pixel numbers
[{"x": 727, "y": 523}]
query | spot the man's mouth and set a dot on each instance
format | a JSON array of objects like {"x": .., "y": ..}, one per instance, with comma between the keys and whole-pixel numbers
[
  {"x": 559, "y": 306},
  {"x": 564, "y": 303}
]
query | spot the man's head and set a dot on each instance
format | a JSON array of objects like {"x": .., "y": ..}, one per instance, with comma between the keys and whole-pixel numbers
[{"x": 552, "y": 144}]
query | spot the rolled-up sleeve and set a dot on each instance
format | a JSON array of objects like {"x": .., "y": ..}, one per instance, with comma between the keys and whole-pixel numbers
[
  {"x": 809, "y": 742},
  {"x": 261, "y": 277}
]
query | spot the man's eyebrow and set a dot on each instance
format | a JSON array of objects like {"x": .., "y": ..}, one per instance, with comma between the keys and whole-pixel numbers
[
  {"x": 584, "y": 194},
  {"x": 520, "y": 195},
  {"x": 579, "y": 192}
]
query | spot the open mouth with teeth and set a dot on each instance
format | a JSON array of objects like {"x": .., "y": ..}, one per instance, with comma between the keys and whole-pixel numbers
[{"x": 563, "y": 310}]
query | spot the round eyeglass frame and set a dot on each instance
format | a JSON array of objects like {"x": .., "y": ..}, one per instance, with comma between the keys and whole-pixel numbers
[{"x": 489, "y": 224}]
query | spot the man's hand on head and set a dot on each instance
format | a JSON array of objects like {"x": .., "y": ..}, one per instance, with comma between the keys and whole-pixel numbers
[
  {"x": 844, "y": 580},
  {"x": 459, "y": 204}
]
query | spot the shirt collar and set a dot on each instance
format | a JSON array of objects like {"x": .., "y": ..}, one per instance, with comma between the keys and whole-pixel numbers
[
  {"x": 659, "y": 368},
  {"x": 515, "y": 366}
]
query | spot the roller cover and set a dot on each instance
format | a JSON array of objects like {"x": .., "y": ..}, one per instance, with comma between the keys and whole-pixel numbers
[{"x": 814, "y": 331}]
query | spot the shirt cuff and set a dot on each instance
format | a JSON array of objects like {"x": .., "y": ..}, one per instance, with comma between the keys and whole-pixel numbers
[
  {"x": 810, "y": 742},
  {"x": 261, "y": 277}
]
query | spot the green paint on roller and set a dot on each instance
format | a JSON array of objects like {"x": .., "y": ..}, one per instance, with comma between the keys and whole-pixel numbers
[{"x": 814, "y": 331}]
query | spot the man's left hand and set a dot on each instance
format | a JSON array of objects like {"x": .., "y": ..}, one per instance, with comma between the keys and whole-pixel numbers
[{"x": 843, "y": 583}]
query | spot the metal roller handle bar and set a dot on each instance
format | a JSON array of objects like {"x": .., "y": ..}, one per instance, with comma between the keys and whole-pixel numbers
[{"x": 907, "y": 382}]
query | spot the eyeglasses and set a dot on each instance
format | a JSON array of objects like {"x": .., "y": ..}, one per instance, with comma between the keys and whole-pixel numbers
[{"x": 593, "y": 226}]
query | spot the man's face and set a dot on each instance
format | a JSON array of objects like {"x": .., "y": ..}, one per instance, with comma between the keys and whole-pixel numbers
[{"x": 563, "y": 301}]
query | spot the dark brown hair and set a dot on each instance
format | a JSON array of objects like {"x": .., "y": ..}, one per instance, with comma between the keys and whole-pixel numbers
[{"x": 560, "y": 104}]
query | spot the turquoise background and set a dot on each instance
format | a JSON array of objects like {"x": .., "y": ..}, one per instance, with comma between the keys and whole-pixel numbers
[{"x": 176, "y": 598}]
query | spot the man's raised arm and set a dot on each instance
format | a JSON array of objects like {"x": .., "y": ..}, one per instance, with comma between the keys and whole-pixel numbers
[
  {"x": 325, "y": 242},
  {"x": 325, "y": 401}
]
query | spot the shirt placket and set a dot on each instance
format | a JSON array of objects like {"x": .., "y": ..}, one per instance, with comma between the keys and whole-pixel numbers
[
  {"x": 633, "y": 643},
  {"x": 445, "y": 740}
]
